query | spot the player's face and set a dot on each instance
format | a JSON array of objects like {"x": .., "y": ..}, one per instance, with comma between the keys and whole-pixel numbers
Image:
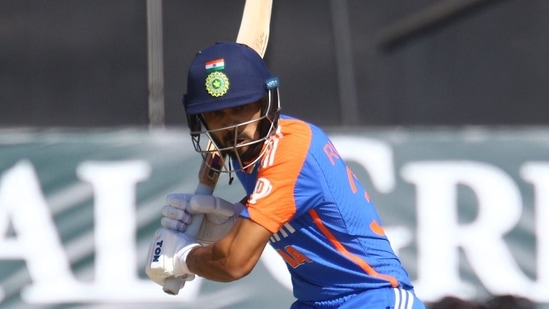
[{"x": 240, "y": 129}]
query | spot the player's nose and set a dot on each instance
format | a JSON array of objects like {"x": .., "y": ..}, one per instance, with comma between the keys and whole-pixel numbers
[{"x": 231, "y": 118}]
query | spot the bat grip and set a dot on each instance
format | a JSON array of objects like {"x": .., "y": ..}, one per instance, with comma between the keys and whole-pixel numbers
[
  {"x": 172, "y": 285},
  {"x": 204, "y": 189}
]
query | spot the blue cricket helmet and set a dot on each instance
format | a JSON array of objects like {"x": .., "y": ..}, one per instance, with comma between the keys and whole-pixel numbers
[{"x": 226, "y": 75}]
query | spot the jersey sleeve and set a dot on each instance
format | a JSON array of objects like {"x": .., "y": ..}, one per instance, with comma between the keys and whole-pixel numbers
[{"x": 272, "y": 203}]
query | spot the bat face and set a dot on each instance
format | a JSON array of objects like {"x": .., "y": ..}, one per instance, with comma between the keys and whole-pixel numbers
[{"x": 255, "y": 25}]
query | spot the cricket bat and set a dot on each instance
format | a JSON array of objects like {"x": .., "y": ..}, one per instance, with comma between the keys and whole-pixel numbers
[
  {"x": 255, "y": 25},
  {"x": 208, "y": 175},
  {"x": 254, "y": 32}
]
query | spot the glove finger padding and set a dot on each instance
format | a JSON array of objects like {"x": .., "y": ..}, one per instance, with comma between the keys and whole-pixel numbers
[
  {"x": 176, "y": 214},
  {"x": 210, "y": 205},
  {"x": 179, "y": 200},
  {"x": 167, "y": 255},
  {"x": 220, "y": 215},
  {"x": 175, "y": 217},
  {"x": 174, "y": 225}
]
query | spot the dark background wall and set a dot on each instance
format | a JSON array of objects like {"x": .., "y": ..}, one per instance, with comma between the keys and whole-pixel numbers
[{"x": 84, "y": 63}]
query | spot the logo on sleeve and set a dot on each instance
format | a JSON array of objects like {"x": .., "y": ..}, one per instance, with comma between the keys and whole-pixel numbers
[{"x": 263, "y": 187}]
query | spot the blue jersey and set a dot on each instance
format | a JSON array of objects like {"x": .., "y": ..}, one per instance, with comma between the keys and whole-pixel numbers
[{"x": 323, "y": 222}]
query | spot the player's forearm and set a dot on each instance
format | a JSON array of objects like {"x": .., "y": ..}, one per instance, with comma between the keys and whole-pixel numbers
[{"x": 215, "y": 264}]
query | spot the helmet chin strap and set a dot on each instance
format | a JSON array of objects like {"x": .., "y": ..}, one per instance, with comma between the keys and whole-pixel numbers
[{"x": 231, "y": 178}]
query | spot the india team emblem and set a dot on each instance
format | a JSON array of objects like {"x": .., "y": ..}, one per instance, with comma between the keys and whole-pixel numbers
[{"x": 217, "y": 84}]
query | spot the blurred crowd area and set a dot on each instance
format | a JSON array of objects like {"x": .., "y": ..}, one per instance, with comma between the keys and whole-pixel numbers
[{"x": 355, "y": 63}]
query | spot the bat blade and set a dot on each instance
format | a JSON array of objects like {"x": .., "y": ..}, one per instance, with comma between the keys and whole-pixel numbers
[{"x": 255, "y": 25}]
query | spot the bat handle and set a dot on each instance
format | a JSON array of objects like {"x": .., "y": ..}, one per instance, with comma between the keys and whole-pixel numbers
[
  {"x": 172, "y": 285},
  {"x": 204, "y": 189}
]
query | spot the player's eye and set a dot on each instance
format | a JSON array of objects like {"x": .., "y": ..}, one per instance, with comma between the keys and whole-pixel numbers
[
  {"x": 213, "y": 116},
  {"x": 247, "y": 108}
]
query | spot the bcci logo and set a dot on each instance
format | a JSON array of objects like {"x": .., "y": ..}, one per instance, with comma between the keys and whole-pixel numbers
[{"x": 217, "y": 84}]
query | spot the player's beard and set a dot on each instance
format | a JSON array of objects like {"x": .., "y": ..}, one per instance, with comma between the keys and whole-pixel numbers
[{"x": 246, "y": 153}]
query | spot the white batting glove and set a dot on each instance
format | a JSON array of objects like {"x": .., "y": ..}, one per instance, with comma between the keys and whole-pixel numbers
[
  {"x": 174, "y": 215},
  {"x": 167, "y": 256},
  {"x": 220, "y": 215}
]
